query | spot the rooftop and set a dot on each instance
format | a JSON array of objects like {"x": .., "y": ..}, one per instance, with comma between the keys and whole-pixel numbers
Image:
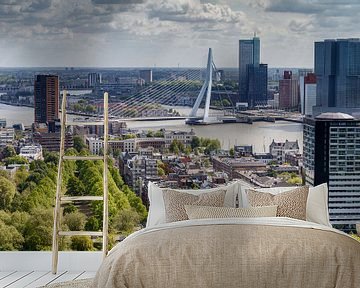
[{"x": 334, "y": 116}]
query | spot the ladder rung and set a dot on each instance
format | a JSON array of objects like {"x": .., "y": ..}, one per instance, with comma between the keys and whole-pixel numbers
[
  {"x": 84, "y": 123},
  {"x": 81, "y": 198},
  {"x": 83, "y": 157},
  {"x": 80, "y": 233}
]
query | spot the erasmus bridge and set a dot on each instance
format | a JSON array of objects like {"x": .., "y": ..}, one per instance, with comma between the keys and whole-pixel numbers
[{"x": 186, "y": 86}]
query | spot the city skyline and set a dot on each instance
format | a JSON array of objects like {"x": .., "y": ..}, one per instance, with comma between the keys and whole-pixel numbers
[{"x": 140, "y": 33}]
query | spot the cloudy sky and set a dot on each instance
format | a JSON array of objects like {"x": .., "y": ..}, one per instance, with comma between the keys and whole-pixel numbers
[{"x": 122, "y": 33}]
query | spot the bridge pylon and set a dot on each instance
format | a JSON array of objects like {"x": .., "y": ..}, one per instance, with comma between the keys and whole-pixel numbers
[{"x": 205, "y": 88}]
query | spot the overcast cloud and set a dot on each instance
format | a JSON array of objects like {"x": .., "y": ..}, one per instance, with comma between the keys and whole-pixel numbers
[{"x": 124, "y": 33}]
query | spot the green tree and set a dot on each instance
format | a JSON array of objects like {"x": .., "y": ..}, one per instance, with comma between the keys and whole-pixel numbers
[
  {"x": 116, "y": 153},
  {"x": 7, "y": 193},
  {"x": 129, "y": 136},
  {"x": 160, "y": 171},
  {"x": 10, "y": 238},
  {"x": 75, "y": 187},
  {"x": 70, "y": 208},
  {"x": 126, "y": 220},
  {"x": 79, "y": 143},
  {"x": 15, "y": 160},
  {"x": 176, "y": 146},
  {"x": 38, "y": 230},
  {"x": 92, "y": 224},
  {"x": 195, "y": 142},
  {"x": 159, "y": 134},
  {"x": 75, "y": 221},
  {"x": 51, "y": 157},
  {"x": 81, "y": 243},
  {"x": 20, "y": 177},
  {"x": 9, "y": 151},
  {"x": 232, "y": 152}
]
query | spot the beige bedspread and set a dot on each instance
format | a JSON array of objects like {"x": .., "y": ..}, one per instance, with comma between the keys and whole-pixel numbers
[{"x": 234, "y": 253}]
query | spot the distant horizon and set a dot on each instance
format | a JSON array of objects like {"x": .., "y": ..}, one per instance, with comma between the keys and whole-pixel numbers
[{"x": 135, "y": 67}]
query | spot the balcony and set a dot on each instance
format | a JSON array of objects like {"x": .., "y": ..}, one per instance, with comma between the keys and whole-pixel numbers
[{"x": 33, "y": 268}]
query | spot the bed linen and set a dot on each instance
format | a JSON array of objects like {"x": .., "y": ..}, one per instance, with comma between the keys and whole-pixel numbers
[{"x": 233, "y": 252}]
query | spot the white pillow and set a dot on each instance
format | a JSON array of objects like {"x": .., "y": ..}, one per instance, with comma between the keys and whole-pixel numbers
[
  {"x": 156, "y": 213},
  {"x": 317, "y": 203}
]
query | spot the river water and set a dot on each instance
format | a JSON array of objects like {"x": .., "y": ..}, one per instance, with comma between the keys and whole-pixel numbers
[{"x": 258, "y": 134}]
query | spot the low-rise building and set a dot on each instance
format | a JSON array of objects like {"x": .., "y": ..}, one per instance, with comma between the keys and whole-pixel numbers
[
  {"x": 131, "y": 145},
  {"x": 94, "y": 144},
  {"x": 51, "y": 141},
  {"x": 184, "y": 137},
  {"x": 244, "y": 150},
  {"x": 294, "y": 159},
  {"x": 31, "y": 152},
  {"x": 7, "y": 135},
  {"x": 139, "y": 169},
  {"x": 2, "y": 122},
  {"x": 280, "y": 149},
  {"x": 264, "y": 157},
  {"x": 232, "y": 165}
]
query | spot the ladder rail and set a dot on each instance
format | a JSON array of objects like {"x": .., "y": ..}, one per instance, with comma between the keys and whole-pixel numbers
[
  {"x": 105, "y": 177},
  {"x": 57, "y": 214}
]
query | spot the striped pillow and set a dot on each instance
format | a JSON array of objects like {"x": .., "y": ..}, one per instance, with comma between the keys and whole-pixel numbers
[{"x": 201, "y": 212}]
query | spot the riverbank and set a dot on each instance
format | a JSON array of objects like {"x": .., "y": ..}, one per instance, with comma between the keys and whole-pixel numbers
[{"x": 17, "y": 104}]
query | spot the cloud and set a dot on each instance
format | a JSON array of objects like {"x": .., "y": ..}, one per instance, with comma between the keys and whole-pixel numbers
[
  {"x": 193, "y": 11},
  {"x": 36, "y": 5},
  {"x": 294, "y": 6},
  {"x": 122, "y": 2},
  {"x": 301, "y": 26}
]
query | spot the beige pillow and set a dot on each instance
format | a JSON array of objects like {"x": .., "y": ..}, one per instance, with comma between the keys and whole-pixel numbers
[
  {"x": 290, "y": 204},
  {"x": 175, "y": 201},
  {"x": 201, "y": 212}
]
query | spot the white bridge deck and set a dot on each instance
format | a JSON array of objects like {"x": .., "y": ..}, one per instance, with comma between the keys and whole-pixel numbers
[{"x": 33, "y": 269}]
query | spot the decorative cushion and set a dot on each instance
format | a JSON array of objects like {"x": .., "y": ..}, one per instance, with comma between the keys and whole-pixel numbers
[
  {"x": 201, "y": 212},
  {"x": 317, "y": 210},
  {"x": 156, "y": 213},
  {"x": 290, "y": 204},
  {"x": 175, "y": 203}
]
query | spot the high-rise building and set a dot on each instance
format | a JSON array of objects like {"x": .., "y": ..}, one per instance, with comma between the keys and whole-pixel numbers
[
  {"x": 249, "y": 56},
  {"x": 288, "y": 92},
  {"x": 307, "y": 93},
  {"x": 332, "y": 155},
  {"x": 257, "y": 89},
  {"x": 46, "y": 98},
  {"x": 93, "y": 79},
  {"x": 146, "y": 75},
  {"x": 337, "y": 69}
]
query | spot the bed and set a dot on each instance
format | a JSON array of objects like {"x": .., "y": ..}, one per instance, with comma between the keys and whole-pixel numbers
[{"x": 234, "y": 252}]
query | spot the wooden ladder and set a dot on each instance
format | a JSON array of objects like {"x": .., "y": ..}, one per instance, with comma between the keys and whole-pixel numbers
[{"x": 60, "y": 198}]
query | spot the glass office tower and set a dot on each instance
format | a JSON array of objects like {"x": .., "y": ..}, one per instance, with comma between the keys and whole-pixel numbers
[{"x": 337, "y": 68}]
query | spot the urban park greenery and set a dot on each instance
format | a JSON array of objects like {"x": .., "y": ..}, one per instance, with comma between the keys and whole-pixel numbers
[{"x": 27, "y": 201}]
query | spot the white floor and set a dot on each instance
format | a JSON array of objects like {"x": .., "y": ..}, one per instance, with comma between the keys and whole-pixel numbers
[
  {"x": 32, "y": 269},
  {"x": 30, "y": 279}
]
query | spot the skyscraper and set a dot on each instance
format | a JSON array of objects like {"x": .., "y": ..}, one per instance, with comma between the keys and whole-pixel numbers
[
  {"x": 337, "y": 69},
  {"x": 257, "y": 85},
  {"x": 93, "y": 79},
  {"x": 332, "y": 155},
  {"x": 307, "y": 93},
  {"x": 146, "y": 75},
  {"x": 46, "y": 99},
  {"x": 288, "y": 92},
  {"x": 251, "y": 73}
]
